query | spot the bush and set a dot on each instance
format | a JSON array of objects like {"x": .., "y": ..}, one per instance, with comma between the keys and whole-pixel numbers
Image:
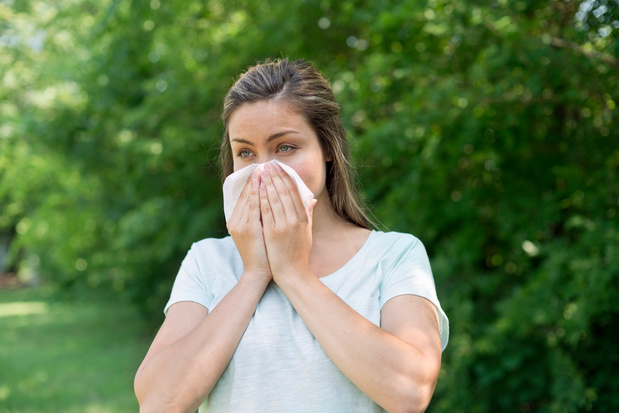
[{"x": 487, "y": 129}]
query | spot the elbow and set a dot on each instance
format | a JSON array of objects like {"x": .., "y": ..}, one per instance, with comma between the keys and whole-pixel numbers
[
  {"x": 149, "y": 405},
  {"x": 154, "y": 401},
  {"x": 414, "y": 402},
  {"x": 147, "y": 408},
  {"x": 140, "y": 394},
  {"x": 412, "y": 399},
  {"x": 413, "y": 393},
  {"x": 146, "y": 401},
  {"x": 416, "y": 388}
]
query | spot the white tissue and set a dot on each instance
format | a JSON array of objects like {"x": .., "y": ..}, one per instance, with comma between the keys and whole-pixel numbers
[{"x": 235, "y": 182}]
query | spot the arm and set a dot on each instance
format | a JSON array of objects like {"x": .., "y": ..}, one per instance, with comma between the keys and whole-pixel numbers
[
  {"x": 193, "y": 347},
  {"x": 396, "y": 365}
]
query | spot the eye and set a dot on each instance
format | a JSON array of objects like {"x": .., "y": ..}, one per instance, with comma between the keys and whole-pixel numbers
[
  {"x": 285, "y": 148},
  {"x": 244, "y": 153}
]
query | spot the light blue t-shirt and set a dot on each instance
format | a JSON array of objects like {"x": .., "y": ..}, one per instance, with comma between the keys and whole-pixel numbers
[{"x": 278, "y": 365}]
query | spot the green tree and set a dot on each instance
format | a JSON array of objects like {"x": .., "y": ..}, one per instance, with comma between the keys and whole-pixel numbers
[{"x": 487, "y": 129}]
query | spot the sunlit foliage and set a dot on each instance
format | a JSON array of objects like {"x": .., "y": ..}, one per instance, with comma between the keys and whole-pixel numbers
[{"x": 488, "y": 129}]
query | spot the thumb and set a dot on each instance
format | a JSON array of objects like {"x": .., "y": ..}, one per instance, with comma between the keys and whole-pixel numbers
[{"x": 311, "y": 210}]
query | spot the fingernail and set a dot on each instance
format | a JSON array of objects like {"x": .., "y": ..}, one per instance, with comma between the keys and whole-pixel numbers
[
  {"x": 277, "y": 166},
  {"x": 262, "y": 188}
]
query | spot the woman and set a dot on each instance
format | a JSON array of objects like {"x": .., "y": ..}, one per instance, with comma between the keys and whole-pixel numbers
[{"x": 295, "y": 312}]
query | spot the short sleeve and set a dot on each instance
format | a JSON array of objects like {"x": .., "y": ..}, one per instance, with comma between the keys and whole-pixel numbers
[
  {"x": 411, "y": 274},
  {"x": 189, "y": 285}
]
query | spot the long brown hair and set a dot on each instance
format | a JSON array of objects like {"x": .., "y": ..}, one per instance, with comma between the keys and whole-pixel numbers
[{"x": 302, "y": 88}]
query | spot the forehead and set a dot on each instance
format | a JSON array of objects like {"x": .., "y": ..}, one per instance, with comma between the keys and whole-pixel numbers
[{"x": 264, "y": 117}]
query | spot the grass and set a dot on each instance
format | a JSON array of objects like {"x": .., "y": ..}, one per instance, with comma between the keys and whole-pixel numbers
[{"x": 67, "y": 356}]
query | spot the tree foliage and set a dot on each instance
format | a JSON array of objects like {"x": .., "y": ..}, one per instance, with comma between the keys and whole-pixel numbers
[{"x": 487, "y": 128}]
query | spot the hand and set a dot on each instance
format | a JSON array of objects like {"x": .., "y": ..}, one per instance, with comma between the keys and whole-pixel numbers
[
  {"x": 285, "y": 224},
  {"x": 246, "y": 230}
]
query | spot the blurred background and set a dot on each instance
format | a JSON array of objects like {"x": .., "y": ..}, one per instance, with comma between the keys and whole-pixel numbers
[{"x": 486, "y": 128}]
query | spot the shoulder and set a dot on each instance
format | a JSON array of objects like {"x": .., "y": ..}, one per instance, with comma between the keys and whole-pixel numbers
[
  {"x": 397, "y": 249},
  {"x": 395, "y": 241},
  {"x": 214, "y": 244},
  {"x": 213, "y": 250}
]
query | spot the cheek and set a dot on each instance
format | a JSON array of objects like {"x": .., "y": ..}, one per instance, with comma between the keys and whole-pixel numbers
[
  {"x": 313, "y": 177},
  {"x": 236, "y": 166}
]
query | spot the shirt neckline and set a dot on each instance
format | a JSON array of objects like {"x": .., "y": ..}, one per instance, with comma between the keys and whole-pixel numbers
[{"x": 354, "y": 258}]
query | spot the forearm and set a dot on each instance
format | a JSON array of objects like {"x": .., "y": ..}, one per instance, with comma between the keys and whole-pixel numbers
[
  {"x": 181, "y": 375},
  {"x": 394, "y": 373}
]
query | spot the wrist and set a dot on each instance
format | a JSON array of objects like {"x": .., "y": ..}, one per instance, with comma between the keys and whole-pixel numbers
[
  {"x": 255, "y": 279},
  {"x": 292, "y": 276}
]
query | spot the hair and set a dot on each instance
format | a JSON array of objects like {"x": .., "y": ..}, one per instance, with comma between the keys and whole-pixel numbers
[{"x": 300, "y": 87}]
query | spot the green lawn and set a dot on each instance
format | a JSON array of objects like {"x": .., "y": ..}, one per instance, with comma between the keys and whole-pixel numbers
[{"x": 61, "y": 356}]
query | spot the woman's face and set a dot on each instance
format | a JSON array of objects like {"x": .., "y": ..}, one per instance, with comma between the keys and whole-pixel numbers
[{"x": 265, "y": 130}]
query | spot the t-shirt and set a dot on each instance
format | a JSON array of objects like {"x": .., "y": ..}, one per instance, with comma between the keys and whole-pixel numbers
[{"x": 278, "y": 365}]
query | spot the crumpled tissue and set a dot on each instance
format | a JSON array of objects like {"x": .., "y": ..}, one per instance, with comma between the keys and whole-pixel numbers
[{"x": 235, "y": 182}]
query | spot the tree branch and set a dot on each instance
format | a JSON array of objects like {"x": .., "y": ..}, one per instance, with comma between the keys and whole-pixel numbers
[{"x": 591, "y": 54}]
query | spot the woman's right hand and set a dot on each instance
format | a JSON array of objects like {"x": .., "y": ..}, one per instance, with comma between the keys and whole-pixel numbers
[
  {"x": 245, "y": 228},
  {"x": 194, "y": 345}
]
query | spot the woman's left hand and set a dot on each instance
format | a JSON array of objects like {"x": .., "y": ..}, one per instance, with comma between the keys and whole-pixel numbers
[
  {"x": 285, "y": 224},
  {"x": 398, "y": 365}
]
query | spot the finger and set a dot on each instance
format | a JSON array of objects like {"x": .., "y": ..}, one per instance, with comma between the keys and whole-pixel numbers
[
  {"x": 265, "y": 207},
  {"x": 253, "y": 203},
  {"x": 277, "y": 209},
  {"x": 240, "y": 212},
  {"x": 240, "y": 209},
  {"x": 285, "y": 196},
  {"x": 292, "y": 191},
  {"x": 247, "y": 187},
  {"x": 311, "y": 210},
  {"x": 239, "y": 218}
]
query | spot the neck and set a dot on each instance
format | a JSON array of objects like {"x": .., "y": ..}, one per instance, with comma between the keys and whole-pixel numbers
[{"x": 326, "y": 221}]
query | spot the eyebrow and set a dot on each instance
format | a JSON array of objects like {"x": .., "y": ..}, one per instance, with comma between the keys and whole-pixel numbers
[{"x": 269, "y": 139}]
